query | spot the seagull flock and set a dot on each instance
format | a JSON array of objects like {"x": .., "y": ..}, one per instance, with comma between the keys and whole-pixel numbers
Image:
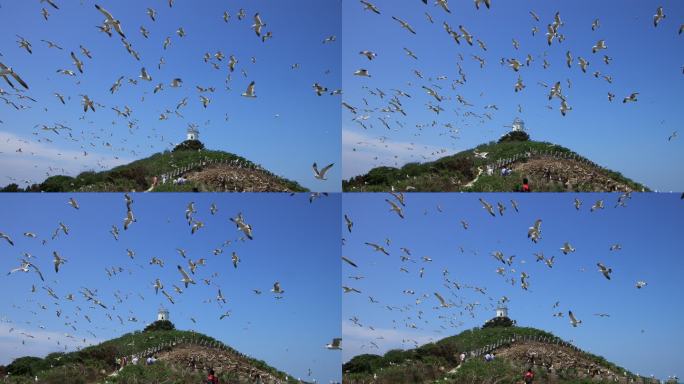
[
  {"x": 77, "y": 74},
  {"x": 377, "y": 296},
  {"x": 193, "y": 276},
  {"x": 533, "y": 54}
]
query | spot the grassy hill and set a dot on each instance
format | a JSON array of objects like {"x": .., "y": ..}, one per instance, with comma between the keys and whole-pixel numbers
[
  {"x": 95, "y": 364},
  {"x": 239, "y": 174},
  {"x": 457, "y": 172},
  {"x": 439, "y": 361}
]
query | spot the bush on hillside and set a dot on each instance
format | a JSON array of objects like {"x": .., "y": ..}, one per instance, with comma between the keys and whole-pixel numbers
[
  {"x": 499, "y": 322},
  {"x": 134, "y": 174},
  {"x": 57, "y": 184},
  {"x": 189, "y": 145},
  {"x": 11, "y": 188},
  {"x": 160, "y": 325},
  {"x": 382, "y": 175},
  {"x": 27, "y": 365},
  {"x": 514, "y": 136},
  {"x": 461, "y": 164},
  {"x": 363, "y": 364}
]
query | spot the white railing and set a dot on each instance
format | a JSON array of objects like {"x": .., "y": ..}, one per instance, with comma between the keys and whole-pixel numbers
[
  {"x": 142, "y": 354},
  {"x": 236, "y": 163},
  {"x": 507, "y": 341},
  {"x": 505, "y": 162}
]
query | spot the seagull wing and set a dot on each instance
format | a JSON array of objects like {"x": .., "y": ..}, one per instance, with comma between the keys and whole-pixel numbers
[
  {"x": 441, "y": 299},
  {"x": 349, "y": 262},
  {"x": 325, "y": 169},
  {"x": 105, "y": 13}
]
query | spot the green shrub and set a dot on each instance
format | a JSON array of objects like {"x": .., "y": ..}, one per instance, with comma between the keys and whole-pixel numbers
[
  {"x": 514, "y": 136},
  {"x": 14, "y": 187},
  {"x": 363, "y": 364},
  {"x": 189, "y": 145},
  {"x": 382, "y": 175},
  {"x": 498, "y": 322},
  {"x": 160, "y": 325},
  {"x": 27, "y": 365},
  {"x": 58, "y": 184}
]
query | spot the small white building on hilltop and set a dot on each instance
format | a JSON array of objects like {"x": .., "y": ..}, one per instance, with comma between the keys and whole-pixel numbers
[
  {"x": 162, "y": 314},
  {"x": 193, "y": 133},
  {"x": 501, "y": 311},
  {"x": 518, "y": 125}
]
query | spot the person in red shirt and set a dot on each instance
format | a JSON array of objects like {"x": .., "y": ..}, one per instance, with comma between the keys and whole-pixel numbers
[
  {"x": 528, "y": 378},
  {"x": 526, "y": 185},
  {"x": 212, "y": 378}
]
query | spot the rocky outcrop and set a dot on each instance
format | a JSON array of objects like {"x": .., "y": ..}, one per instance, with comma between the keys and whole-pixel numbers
[
  {"x": 228, "y": 178},
  {"x": 569, "y": 174},
  {"x": 202, "y": 359},
  {"x": 560, "y": 361}
]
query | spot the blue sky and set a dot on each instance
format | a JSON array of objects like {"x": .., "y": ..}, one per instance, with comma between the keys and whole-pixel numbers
[
  {"x": 285, "y": 129},
  {"x": 630, "y": 138},
  {"x": 295, "y": 243},
  {"x": 647, "y": 229}
]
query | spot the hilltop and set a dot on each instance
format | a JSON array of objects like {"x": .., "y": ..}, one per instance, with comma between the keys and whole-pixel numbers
[
  {"x": 172, "y": 348},
  {"x": 203, "y": 171},
  {"x": 548, "y": 167},
  {"x": 516, "y": 348}
]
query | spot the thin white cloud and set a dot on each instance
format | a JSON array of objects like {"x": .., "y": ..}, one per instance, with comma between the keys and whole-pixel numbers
[
  {"x": 37, "y": 159},
  {"x": 361, "y": 152},
  {"x": 17, "y": 344},
  {"x": 356, "y": 340}
]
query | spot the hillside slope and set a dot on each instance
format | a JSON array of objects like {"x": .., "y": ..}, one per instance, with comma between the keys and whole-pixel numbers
[
  {"x": 548, "y": 167},
  {"x": 516, "y": 349},
  {"x": 172, "y": 348},
  {"x": 204, "y": 170}
]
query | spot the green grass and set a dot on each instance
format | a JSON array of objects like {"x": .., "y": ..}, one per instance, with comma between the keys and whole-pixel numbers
[
  {"x": 478, "y": 371},
  {"x": 91, "y": 363},
  {"x": 431, "y": 361},
  {"x": 138, "y": 174},
  {"x": 443, "y": 175}
]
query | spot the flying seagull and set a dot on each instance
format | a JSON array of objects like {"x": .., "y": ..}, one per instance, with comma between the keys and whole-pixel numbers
[
  {"x": 320, "y": 175},
  {"x": 258, "y": 24},
  {"x": 73, "y": 203},
  {"x": 377, "y": 248},
  {"x": 370, "y": 7},
  {"x": 349, "y": 222},
  {"x": 442, "y": 302},
  {"x": 186, "y": 278},
  {"x": 395, "y": 208},
  {"x": 335, "y": 344},
  {"x": 604, "y": 270},
  {"x": 250, "y": 91},
  {"x": 111, "y": 21},
  {"x": 567, "y": 248},
  {"x": 404, "y": 25},
  {"x": 5, "y": 71},
  {"x": 57, "y": 261},
  {"x": 349, "y": 262},
  {"x": 573, "y": 319},
  {"x": 276, "y": 288},
  {"x": 242, "y": 226},
  {"x": 6, "y": 238},
  {"x": 658, "y": 17}
]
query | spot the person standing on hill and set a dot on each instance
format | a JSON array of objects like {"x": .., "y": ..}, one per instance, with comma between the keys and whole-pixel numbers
[
  {"x": 529, "y": 376},
  {"x": 212, "y": 378},
  {"x": 526, "y": 185}
]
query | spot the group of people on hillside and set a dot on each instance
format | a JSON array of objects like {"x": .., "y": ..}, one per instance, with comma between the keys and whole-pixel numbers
[{"x": 123, "y": 361}]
